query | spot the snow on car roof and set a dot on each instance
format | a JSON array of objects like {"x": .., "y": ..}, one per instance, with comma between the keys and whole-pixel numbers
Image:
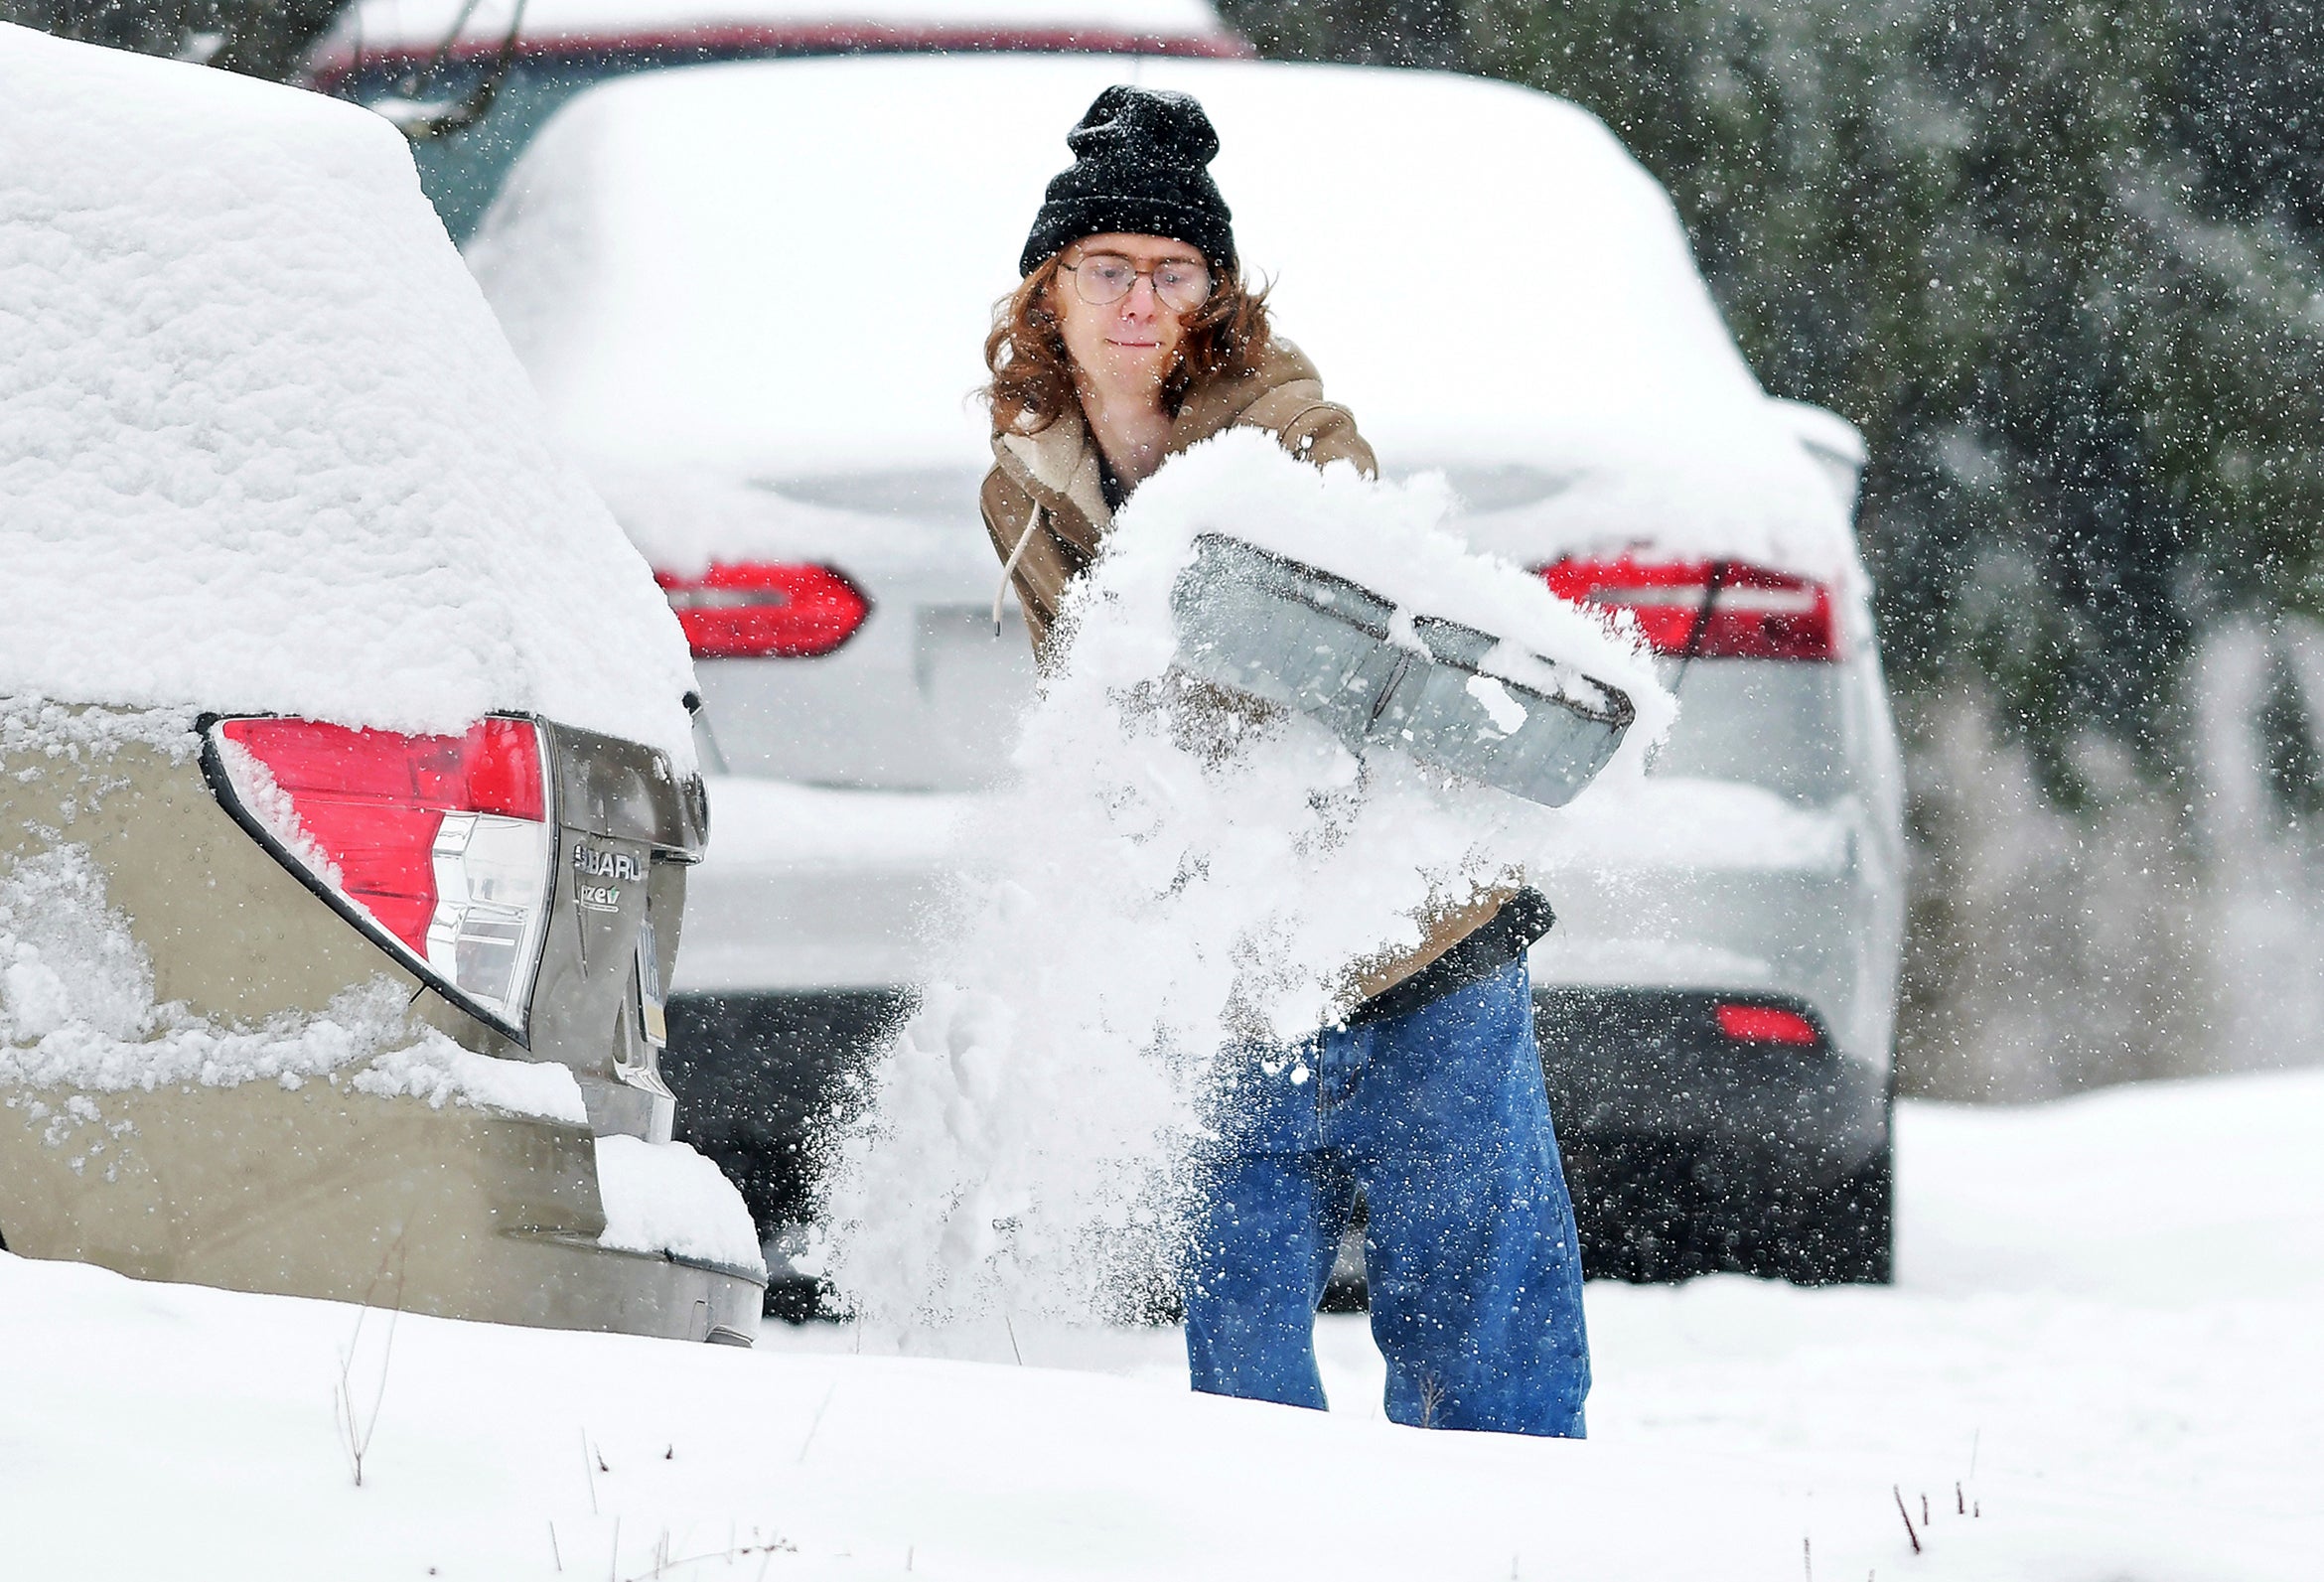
[
  {"x": 390, "y": 25},
  {"x": 261, "y": 445},
  {"x": 782, "y": 269}
]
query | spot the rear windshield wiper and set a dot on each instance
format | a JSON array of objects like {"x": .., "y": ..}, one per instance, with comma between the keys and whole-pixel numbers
[
  {"x": 1695, "y": 635},
  {"x": 422, "y": 119}
]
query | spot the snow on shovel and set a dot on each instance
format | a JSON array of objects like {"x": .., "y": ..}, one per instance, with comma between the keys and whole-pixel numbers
[{"x": 1381, "y": 676}]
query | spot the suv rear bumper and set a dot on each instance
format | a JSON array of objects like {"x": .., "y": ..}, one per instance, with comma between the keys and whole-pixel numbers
[
  {"x": 759, "y": 1076},
  {"x": 1688, "y": 1152},
  {"x": 761, "y": 1079},
  {"x": 1622, "y": 1063},
  {"x": 1683, "y": 1149},
  {"x": 321, "y": 1191}
]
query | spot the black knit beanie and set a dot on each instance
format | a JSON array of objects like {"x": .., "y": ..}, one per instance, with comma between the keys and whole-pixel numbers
[{"x": 1140, "y": 167}]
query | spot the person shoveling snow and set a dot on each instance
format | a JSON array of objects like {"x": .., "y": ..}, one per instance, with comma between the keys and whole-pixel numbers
[{"x": 1228, "y": 967}]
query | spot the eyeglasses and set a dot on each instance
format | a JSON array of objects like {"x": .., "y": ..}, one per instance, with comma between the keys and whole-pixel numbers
[{"x": 1102, "y": 279}]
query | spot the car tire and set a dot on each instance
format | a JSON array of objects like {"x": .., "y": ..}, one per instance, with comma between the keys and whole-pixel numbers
[
  {"x": 1635, "y": 1210},
  {"x": 1846, "y": 1233},
  {"x": 796, "y": 1299},
  {"x": 1652, "y": 1212}
]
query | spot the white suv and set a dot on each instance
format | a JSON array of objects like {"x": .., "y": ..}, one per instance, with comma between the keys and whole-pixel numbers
[{"x": 754, "y": 296}]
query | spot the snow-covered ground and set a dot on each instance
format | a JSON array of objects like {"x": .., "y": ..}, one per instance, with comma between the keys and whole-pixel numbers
[{"x": 2106, "y": 1334}]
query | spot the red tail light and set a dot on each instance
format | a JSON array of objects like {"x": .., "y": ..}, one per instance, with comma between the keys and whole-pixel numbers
[
  {"x": 1756, "y": 613},
  {"x": 1767, "y": 1024},
  {"x": 437, "y": 847},
  {"x": 751, "y": 611}
]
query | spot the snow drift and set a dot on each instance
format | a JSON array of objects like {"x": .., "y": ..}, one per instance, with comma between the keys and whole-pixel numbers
[
  {"x": 262, "y": 446},
  {"x": 665, "y": 1197},
  {"x": 2102, "y": 1311},
  {"x": 1169, "y": 875}
]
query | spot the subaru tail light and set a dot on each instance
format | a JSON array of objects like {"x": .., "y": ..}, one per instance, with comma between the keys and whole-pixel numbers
[
  {"x": 438, "y": 847},
  {"x": 1768, "y": 1024},
  {"x": 752, "y": 610},
  {"x": 1755, "y": 614}
]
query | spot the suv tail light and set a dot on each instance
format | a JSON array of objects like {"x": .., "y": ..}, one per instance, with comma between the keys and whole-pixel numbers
[
  {"x": 751, "y": 610},
  {"x": 438, "y": 847},
  {"x": 1767, "y": 1024},
  {"x": 1755, "y": 614}
]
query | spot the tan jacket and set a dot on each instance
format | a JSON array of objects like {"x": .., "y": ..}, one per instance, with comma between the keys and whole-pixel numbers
[{"x": 1045, "y": 510}]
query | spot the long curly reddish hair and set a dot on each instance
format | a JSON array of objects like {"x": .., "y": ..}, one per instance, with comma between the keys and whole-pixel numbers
[{"x": 1033, "y": 378}]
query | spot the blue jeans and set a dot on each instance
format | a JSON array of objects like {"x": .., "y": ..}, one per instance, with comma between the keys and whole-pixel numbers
[{"x": 1475, "y": 1274}]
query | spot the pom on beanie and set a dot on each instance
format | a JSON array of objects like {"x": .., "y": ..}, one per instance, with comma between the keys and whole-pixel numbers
[{"x": 1141, "y": 159}]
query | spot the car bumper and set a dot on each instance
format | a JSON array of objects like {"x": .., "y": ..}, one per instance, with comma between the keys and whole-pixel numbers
[
  {"x": 762, "y": 1078},
  {"x": 1625, "y": 1065},
  {"x": 1650, "y": 1101},
  {"x": 319, "y": 1191},
  {"x": 1688, "y": 1152}
]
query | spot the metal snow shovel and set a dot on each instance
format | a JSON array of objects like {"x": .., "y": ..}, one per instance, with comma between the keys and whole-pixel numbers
[{"x": 1319, "y": 644}]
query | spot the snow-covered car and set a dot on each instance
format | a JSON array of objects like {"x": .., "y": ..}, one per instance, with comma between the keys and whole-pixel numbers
[
  {"x": 1502, "y": 295},
  {"x": 472, "y": 79},
  {"x": 347, "y": 786}
]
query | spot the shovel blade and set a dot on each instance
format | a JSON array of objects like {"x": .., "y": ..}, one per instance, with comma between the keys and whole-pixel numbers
[{"x": 1304, "y": 638}]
